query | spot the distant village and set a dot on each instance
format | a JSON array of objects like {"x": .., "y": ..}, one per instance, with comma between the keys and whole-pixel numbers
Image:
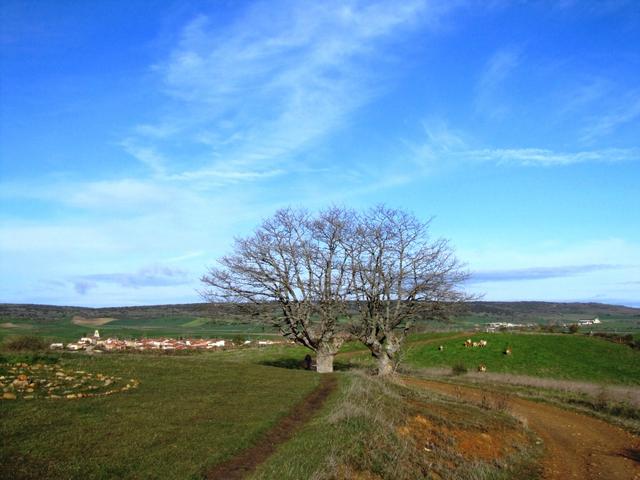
[
  {"x": 96, "y": 343},
  {"x": 493, "y": 326}
]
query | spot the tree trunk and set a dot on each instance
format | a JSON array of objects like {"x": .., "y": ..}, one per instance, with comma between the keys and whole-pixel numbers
[
  {"x": 385, "y": 364},
  {"x": 324, "y": 362},
  {"x": 327, "y": 348},
  {"x": 386, "y": 353}
]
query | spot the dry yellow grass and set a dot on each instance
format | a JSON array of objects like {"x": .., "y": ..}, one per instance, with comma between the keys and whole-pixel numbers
[
  {"x": 91, "y": 322},
  {"x": 13, "y": 325}
]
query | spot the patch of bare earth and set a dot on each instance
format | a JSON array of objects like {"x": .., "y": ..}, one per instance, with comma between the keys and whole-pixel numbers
[
  {"x": 247, "y": 461},
  {"x": 577, "y": 446},
  {"x": 91, "y": 322},
  {"x": 13, "y": 325},
  {"x": 492, "y": 443}
]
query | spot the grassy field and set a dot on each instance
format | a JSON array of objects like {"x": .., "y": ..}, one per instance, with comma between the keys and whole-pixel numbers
[
  {"x": 189, "y": 412},
  {"x": 64, "y": 330},
  {"x": 192, "y": 412},
  {"x": 229, "y": 320},
  {"x": 575, "y": 357}
]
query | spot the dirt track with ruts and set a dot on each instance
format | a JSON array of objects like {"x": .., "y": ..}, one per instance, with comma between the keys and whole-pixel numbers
[
  {"x": 248, "y": 460},
  {"x": 576, "y": 446}
]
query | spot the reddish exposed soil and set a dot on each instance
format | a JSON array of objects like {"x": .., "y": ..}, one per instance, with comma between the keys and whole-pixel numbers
[
  {"x": 577, "y": 446},
  {"x": 472, "y": 444},
  {"x": 241, "y": 465}
]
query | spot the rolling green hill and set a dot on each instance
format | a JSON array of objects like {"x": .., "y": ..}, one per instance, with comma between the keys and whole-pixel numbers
[
  {"x": 207, "y": 320},
  {"x": 575, "y": 357}
]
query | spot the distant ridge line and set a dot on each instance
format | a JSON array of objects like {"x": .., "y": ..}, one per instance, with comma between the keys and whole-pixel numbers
[{"x": 519, "y": 308}]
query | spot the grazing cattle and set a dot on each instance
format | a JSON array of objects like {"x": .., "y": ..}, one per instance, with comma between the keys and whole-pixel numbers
[
  {"x": 441, "y": 347},
  {"x": 483, "y": 343},
  {"x": 482, "y": 367},
  {"x": 507, "y": 351},
  {"x": 468, "y": 343},
  {"x": 476, "y": 344}
]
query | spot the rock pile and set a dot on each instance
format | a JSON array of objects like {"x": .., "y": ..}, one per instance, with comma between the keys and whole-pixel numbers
[{"x": 28, "y": 382}]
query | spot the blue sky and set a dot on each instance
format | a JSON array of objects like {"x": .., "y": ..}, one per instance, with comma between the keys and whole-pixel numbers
[{"x": 135, "y": 143}]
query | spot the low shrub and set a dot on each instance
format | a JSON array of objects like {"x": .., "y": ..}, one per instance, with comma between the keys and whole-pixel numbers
[
  {"x": 621, "y": 339},
  {"x": 30, "y": 358},
  {"x": 238, "y": 340},
  {"x": 459, "y": 369},
  {"x": 29, "y": 343}
]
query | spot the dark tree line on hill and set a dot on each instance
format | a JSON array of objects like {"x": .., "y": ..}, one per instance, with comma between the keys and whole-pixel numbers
[
  {"x": 242, "y": 313},
  {"x": 342, "y": 274}
]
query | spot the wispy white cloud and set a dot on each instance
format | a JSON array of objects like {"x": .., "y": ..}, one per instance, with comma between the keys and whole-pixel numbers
[
  {"x": 626, "y": 110},
  {"x": 491, "y": 92},
  {"x": 537, "y": 273},
  {"x": 284, "y": 75},
  {"x": 146, "y": 155},
  {"x": 124, "y": 194},
  {"x": 547, "y": 158},
  {"x": 152, "y": 276},
  {"x": 444, "y": 145},
  {"x": 585, "y": 94},
  {"x": 555, "y": 270},
  {"x": 39, "y": 239},
  {"x": 186, "y": 256}
]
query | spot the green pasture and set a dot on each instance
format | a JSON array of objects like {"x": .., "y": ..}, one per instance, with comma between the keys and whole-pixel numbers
[
  {"x": 562, "y": 356},
  {"x": 189, "y": 413},
  {"x": 64, "y": 330},
  {"x": 192, "y": 412}
]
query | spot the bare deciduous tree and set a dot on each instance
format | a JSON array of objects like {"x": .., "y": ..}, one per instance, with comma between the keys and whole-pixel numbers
[
  {"x": 399, "y": 274},
  {"x": 300, "y": 263},
  {"x": 382, "y": 261}
]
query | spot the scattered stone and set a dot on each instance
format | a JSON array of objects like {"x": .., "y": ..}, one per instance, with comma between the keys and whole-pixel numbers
[
  {"x": 55, "y": 383},
  {"x": 17, "y": 383}
]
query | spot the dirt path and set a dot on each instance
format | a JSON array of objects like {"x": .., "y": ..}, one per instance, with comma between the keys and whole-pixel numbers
[
  {"x": 577, "y": 446},
  {"x": 244, "y": 463}
]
